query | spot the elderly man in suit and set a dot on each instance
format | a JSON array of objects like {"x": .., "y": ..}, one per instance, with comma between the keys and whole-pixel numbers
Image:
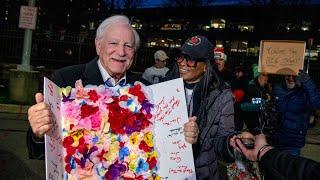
[{"x": 116, "y": 44}]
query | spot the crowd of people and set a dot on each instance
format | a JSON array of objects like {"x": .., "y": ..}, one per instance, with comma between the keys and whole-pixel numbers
[{"x": 221, "y": 105}]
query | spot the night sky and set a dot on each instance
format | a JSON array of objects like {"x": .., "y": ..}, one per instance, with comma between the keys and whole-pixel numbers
[{"x": 157, "y": 3}]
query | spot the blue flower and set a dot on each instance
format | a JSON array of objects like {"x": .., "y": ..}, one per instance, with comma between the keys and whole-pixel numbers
[
  {"x": 124, "y": 151},
  {"x": 142, "y": 166}
]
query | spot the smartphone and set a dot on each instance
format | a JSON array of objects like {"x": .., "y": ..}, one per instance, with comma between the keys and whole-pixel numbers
[{"x": 247, "y": 142}]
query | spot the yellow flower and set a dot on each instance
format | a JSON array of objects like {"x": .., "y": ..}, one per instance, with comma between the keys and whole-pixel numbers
[
  {"x": 154, "y": 178},
  {"x": 65, "y": 91},
  {"x": 113, "y": 152},
  {"x": 124, "y": 90},
  {"x": 134, "y": 138},
  {"x": 76, "y": 135},
  {"x": 105, "y": 125},
  {"x": 152, "y": 154},
  {"x": 148, "y": 139}
]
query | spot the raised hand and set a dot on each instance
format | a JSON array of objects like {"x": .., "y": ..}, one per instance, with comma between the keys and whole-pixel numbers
[{"x": 39, "y": 116}]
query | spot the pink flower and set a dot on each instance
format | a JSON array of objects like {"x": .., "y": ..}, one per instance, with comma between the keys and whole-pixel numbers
[
  {"x": 95, "y": 121},
  {"x": 70, "y": 111}
]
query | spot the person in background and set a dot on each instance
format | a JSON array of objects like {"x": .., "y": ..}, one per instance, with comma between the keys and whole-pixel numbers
[
  {"x": 157, "y": 72},
  {"x": 256, "y": 92},
  {"x": 297, "y": 98},
  {"x": 116, "y": 45},
  {"x": 239, "y": 85},
  {"x": 275, "y": 164},
  {"x": 221, "y": 59},
  {"x": 209, "y": 103}
]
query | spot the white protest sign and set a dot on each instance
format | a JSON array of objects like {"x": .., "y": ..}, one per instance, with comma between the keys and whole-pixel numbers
[
  {"x": 53, "y": 139},
  {"x": 175, "y": 154}
]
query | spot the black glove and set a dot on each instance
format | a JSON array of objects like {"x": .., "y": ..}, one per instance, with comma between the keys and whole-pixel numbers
[{"x": 302, "y": 77}]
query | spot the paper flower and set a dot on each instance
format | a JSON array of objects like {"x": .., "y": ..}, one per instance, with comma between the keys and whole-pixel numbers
[{"x": 107, "y": 133}]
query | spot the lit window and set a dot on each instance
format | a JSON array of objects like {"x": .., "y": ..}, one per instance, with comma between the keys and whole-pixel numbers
[
  {"x": 218, "y": 23},
  {"x": 136, "y": 25},
  {"x": 249, "y": 28},
  {"x": 305, "y": 26},
  {"x": 176, "y": 27},
  {"x": 206, "y": 28}
]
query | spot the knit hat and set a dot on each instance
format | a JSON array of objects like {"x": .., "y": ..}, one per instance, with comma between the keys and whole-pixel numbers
[
  {"x": 219, "y": 53},
  {"x": 255, "y": 71},
  {"x": 198, "y": 48},
  {"x": 161, "y": 55}
]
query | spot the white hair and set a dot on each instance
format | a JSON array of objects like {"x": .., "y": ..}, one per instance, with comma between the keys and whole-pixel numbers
[{"x": 117, "y": 19}]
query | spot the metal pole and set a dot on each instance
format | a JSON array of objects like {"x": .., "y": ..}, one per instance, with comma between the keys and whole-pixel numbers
[
  {"x": 310, "y": 42},
  {"x": 27, "y": 43}
]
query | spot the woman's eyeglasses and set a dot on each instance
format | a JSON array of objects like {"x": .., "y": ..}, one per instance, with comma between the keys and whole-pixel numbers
[{"x": 190, "y": 63}]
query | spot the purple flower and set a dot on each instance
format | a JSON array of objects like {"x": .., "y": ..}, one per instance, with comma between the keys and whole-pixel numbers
[
  {"x": 115, "y": 170},
  {"x": 146, "y": 105}
]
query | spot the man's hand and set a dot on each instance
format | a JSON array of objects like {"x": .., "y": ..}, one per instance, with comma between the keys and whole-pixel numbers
[
  {"x": 242, "y": 135},
  {"x": 302, "y": 77},
  {"x": 39, "y": 116},
  {"x": 191, "y": 130},
  {"x": 260, "y": 144}
]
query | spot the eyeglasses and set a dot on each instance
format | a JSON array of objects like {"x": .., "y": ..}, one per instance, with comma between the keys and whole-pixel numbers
[{"x": 190, "y": 63}]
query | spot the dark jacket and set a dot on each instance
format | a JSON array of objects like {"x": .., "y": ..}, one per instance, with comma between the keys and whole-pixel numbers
[
  {"x": 295, "y": 107},
  {"x": 252, "y": 110},
  {"x": 89, "y": 73},
  {"x": 279, "y": 165},
  {"x": 216, "y": 124}
]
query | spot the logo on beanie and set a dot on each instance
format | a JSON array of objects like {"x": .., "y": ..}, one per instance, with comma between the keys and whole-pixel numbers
[{"x": 193, "y": 41}]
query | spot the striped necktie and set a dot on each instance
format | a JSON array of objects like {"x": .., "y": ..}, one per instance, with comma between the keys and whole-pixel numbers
[{"x": 108, "y": 83}]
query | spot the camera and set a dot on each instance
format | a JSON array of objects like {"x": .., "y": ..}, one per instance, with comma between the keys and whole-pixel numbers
[{"x": 256, "y": 100}]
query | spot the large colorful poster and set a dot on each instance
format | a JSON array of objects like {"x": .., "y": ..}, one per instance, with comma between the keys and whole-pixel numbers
[{"x": 133, "y": 131}]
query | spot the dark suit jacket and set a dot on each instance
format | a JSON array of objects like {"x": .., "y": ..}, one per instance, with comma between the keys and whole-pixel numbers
[{"x": 89, "y": 73}]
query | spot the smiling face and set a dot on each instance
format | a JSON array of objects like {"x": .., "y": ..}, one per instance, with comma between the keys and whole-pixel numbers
[
  {"x": 191, "y": 74},
  {"x": 220, "y": 64},
  {"x": 116, "y": 49},
  {"x": 290, "y": 81}
]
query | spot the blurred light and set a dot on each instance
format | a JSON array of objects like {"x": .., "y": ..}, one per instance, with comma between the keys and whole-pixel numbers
[
  {"x": 6, "y": 18},
  {"x": 162, "y": 40},
  {"x": 305, "y": 28}
]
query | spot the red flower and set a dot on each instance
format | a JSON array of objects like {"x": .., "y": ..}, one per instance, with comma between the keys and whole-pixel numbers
[
  {"x": 136, "y": 91},
  {"x": 87, "y": 110},
  {"x": 93, "y": 96},
  {"x": 124, "y": 98},
  {"x": 152, "y": 162},
  {"x": 67, "y": 158},
  {"x": 67, "y": 141},
  {"x": 100, "y": 156},
  {"x": 71, "y": 126},
  {"x": 68, "y": 168},
  {"x": 82, "y": 148},
  {"x": 143, "y": 146}
]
